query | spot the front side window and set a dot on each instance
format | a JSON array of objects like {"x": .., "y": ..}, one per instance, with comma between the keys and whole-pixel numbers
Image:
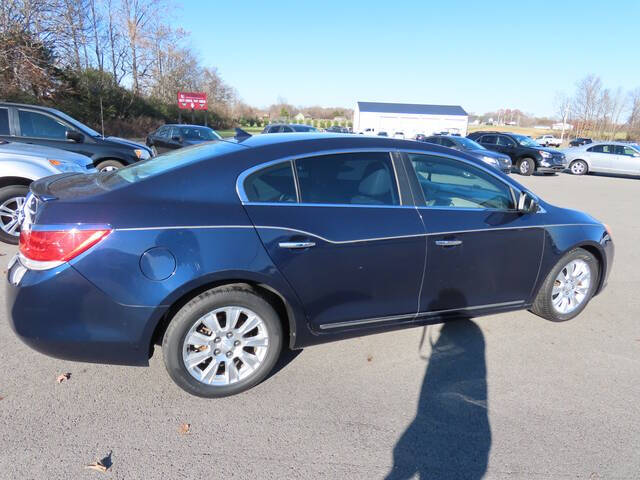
[
  {"x": 454, "y": 184},
  {"x": 4, "y": 121},
  {"x": 505, "y": 141},
  {"x": 348, "y": 178},
  {"x": 627, "y": 151},
  {"x": 272, "y": 184},
  {"x": 33, "y": 124},
  {"x": 163, "y": 132}
]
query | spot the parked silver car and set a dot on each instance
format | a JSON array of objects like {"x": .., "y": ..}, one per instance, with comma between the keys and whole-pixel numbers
[
  {"x": 21, "y": 164},
  {"x": 604, "y": 157}
]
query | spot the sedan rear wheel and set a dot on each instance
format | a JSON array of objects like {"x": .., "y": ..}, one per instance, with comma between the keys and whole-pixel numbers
[
  {"x": 578, "y": 167},
  {"x": 12, "y": 200},
  {"x": 222, "y": 342},
  {"x": 568, "y": 287}
]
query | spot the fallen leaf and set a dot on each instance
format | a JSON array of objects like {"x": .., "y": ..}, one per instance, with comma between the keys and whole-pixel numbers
[
  {"x": 1, "y": 397},
  {"x": 97, "y": 466},
  {"x": 61, "y": 378},
  {"x": 369, "y": 358},
  {"x": 2, "y": 254},
  {"x": 185, "y": 429}
]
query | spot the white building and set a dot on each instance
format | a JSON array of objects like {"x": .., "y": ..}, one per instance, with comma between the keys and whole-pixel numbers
[{"x": 408, "y": 118}]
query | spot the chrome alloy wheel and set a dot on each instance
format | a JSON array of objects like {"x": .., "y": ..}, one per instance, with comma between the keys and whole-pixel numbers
[
  {"x": 11, "y": 215},
  {"x": 571, "y": 286},
  {"x": 225, "y": 346},
  {"x": 109, "y": 168},
  {"x": 524, "y": 167},
  {"x": 577, "y": 168}
]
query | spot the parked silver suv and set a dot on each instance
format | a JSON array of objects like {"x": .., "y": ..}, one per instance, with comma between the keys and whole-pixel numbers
[{"x": 21, "y": 164}]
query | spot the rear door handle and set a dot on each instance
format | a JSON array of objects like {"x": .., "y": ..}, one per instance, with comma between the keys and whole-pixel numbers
[
  {"x": 448, "y": 243},
  {"x": 295, "y": 245}
]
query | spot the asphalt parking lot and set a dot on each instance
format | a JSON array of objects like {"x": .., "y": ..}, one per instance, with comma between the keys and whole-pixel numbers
[{"x": 506, "y": 396}]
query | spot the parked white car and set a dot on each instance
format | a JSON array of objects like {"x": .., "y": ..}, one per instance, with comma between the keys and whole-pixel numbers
[
  {"x": 605, "y": 157},
  {"x": 21, "y": 164},
  {"x": 548, "y": 141}
]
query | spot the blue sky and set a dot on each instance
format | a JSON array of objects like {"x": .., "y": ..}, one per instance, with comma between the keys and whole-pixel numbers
[{"x": 482, "y": 55}]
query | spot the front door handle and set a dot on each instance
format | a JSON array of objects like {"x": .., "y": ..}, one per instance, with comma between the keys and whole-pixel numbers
[
  {"x": 296, "y": 245},
  {"x": 448, "y": 243}
]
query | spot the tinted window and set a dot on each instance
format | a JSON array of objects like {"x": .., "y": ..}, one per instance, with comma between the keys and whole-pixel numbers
[
  {"x": 307, "y": 128},
  {"x": 435, "y": 140},
  {"x": 33, "y": 124},
  {"x": 489, "y": 139},
  {"x": 505, "y": 141},
  {"x": 274, "y": 129},
  {"x": 448, "y": 143},
  {"x": 449, "y": 183},
  {"x": 286, "y": 129},
  {"x": 602, "y": 149},
  {"x": 350, "y": 178},
  {"x": 4, "y": 121},
  {"x": 622, "y": 150},
  {"x": 273, "y": 184},
  {"x": 163, "y": 132}
]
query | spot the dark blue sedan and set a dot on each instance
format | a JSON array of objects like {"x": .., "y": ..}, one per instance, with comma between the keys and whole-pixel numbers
[{"x": 227, "y": 252}]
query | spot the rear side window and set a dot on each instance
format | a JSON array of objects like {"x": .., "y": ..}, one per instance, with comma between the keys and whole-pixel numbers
[
  {"x": 489, "y": 139},
  {"x": 4, "y": 121},
  {"x": 453, "y": 184},
  {"x": 350, "y": 178},
  {"x": 34, "y": 124},
  {"x": 272, "y": 184}
]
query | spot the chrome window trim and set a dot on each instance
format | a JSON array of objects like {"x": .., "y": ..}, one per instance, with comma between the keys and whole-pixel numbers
[
  {"x": 292, "y": 158},
  {"x": 429, "y": 313}
]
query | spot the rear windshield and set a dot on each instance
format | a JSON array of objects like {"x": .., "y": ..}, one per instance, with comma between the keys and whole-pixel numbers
[{"x": 175, "y": 159}]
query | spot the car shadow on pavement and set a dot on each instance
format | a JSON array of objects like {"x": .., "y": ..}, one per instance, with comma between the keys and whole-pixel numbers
[{"x": 450, "y": 436}]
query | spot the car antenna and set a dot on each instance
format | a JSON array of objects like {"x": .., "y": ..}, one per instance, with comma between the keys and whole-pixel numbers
[{"x": 241, "y": 134}]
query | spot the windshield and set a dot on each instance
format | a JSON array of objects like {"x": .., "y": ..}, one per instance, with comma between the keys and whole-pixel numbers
[
  {"x": 198, "y": 133},
  {"x": 526, "y": 141},
  {"x": 468, "y": 144},
  {"x": 174, "y": 159},
  {"x": 80, "y": 126}
]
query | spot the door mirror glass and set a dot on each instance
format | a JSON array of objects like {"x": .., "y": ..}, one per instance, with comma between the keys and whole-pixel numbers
[
  {"x": 74, "y": 135},
  {"x": 527, "y": 203}
]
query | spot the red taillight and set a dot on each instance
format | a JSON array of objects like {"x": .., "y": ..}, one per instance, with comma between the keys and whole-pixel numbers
[{"x": 58, "y": 245}]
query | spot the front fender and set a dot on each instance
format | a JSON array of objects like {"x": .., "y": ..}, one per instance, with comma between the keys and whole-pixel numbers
[{"x": 28, "y": 169}]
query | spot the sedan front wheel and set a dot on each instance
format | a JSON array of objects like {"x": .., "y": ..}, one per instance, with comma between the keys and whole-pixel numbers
[
  {"x": 568, "y": 287},
  {"x": 578, "y": 167}
]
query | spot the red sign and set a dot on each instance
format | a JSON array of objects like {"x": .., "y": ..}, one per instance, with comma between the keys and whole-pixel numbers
[{"x": 192, "y": 100}]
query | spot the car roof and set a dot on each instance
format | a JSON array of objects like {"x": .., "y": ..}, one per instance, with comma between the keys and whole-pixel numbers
[
  {"x": 27, "y": 105},
  {"x": 604, "y": 142}
]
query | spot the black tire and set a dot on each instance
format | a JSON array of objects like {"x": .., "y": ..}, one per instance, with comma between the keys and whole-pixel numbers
[
  {"x": 187, "y": 316},
  {"x": 526, "y": 166},
  {"x": 7, "y": 194},
  {"x": 108, "y": 165},
  {"x": 579, "y": 167},
  {"x": 543, "y": 306},
  {"x": 154, "y": 151}
]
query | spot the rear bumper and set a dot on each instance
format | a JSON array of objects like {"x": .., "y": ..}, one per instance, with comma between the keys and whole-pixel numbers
[{"x": 61, "y": 314}]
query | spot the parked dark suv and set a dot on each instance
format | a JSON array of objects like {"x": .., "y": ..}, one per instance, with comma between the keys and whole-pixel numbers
[
  {"x": 527, "y": 155},
  {"x": 577, "y": 142},
  {"x": 52, "y": 128},
  {"x": 497, "y": 160}
]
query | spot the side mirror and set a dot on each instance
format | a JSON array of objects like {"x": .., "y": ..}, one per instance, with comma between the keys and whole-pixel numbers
[
  {"x": 527, "y": 203},
  {"x": 177, "y": 138},
  {"x": 74, "y": 136}
]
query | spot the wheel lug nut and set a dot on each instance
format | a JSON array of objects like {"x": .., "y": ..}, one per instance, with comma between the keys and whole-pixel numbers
[
  {"x": 216, "y": 340},
  {"x": 229, "y": 335},
  {"x": 216, "y": 351},
  {"x": 229, "y": 354},
  {"x": 236, "y": 343}
]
